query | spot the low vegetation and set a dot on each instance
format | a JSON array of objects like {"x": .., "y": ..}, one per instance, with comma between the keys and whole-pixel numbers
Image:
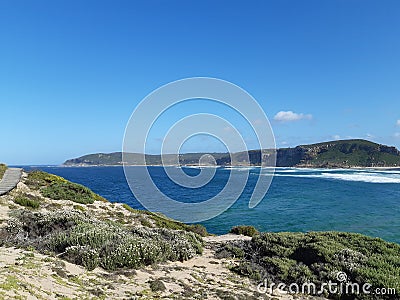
[
  {"x": 3, "y": 169},
  {"x": 244, "y": 230},
  {"x": 317, "y": 257},
  {"x": 27, "y": 201},
  {"x": 58, "y": 188},
  {"x": 80, "y": 236},
  {"x": 81, "y": 239}
]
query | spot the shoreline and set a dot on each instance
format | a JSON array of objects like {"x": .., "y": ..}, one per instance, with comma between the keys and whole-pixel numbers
[{"x": 226, "y": 167}]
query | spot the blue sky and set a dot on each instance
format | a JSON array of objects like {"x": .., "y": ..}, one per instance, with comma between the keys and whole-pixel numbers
[{"x": 71, "y": 72}]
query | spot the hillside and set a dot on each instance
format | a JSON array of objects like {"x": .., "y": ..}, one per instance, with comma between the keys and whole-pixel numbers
[
  {"x": 333, "y": 154},
  {"x": 107, "y": 159},
  {"x": 344, "y": 153}
]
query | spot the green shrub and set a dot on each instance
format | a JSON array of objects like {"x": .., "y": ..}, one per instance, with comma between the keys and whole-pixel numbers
[
  {"x": 244, "y": 230},
  {"x": 318, "y": 256},
  {"x": 68, "y": 191},
  {"x": 79, "y": 207},
  {"x": 229, "y": 251},
  {"x": 27, "y": 202},
  {"x": 145, "y": 222},
  {"x": 157, "y": 286},
  {"x": 82, "y": 255},
  {"x": 81, "y": 239},
  {"x": 38, "y": 179},
  {"x": 198, "y": 229},
  {"x": 58, "y": 188},
  {"x": 249, "y": 269}
]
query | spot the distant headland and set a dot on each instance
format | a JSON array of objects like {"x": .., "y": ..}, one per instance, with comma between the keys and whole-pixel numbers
[{"x": 333, "y": 154}]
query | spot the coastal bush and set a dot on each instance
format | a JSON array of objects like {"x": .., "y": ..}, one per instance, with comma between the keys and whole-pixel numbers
[
  {"x": 38, "y": 179},
  {"x": 82, "y": 255},
  {"x": 58, "y": 188},
  {"x": 79, "y": 207},
  {"x": 157, "y": 286},
  {"x": 244, "y": 230},
  {"x": 318, "y": 257},
  {"x": 198, "y": 228},
  {"x": 230, "y": 250},
  {"x": 31, "y": 202},
  {"x": 68, "y": 191},
  {"x": 81, "y": 239}
]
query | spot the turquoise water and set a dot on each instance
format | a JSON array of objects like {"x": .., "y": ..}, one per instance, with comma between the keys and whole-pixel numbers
[{"x": 364, "y": 201}]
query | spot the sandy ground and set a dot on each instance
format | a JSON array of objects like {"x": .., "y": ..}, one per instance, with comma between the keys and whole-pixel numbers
[{"x": 30, "y": 275}]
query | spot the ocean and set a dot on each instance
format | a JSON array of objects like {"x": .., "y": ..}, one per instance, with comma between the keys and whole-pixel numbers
[{"x": 302, "y": 200}]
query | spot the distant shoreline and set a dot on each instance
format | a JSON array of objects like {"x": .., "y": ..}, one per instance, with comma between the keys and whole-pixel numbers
[
  {"x": 343, "y": 154},
  {"x": 192, "y": 166}
]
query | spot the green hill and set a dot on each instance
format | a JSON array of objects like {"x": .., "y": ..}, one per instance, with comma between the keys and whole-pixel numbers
[
  {"x": 333, "y": 154},
  {"x": 349, "y": 153}
]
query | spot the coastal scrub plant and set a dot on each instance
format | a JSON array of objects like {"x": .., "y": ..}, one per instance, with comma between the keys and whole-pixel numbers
[
  {"x": 27, "y": 201},
  {"x": 318, "y": 257},
  {"x": 80, "y": 238},
  {"x": 58, "y": 188},
  {"x": 244, "y": 230}
]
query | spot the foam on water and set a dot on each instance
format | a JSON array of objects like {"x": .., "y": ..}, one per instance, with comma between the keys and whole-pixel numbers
[
  {"x": 349, "y": 175},
  {"x": 364, "y": 177},
  {"x": 239, "y": 168}
]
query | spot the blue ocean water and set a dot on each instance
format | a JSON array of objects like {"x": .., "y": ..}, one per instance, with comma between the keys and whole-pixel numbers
[{"x": 364, "y": 201}]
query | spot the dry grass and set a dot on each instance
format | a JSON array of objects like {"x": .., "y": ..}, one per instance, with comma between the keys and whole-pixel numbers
[{"x": 3, "y": 168}]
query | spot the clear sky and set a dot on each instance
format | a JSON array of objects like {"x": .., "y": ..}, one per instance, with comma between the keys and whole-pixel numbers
[{"x": 71, "y": 72}]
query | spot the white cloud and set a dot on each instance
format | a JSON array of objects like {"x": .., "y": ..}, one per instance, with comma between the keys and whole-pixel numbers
[
  {"x": 289, "y": 116},
  {"x": 398, "y": 123},
  {"x": 336, "y": 137},
  {"x": 397, "y": 135}
]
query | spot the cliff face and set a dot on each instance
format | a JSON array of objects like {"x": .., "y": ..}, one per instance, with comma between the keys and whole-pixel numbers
[
  {"x": 334, "y": 154},
  {"x": 289, "y": 157}
]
